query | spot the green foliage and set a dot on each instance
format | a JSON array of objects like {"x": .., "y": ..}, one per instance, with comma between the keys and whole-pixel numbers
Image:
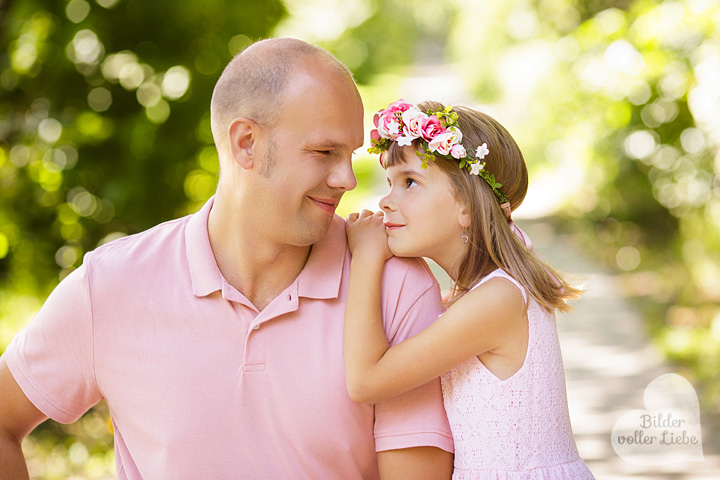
[
  {"x": 105, "y": 126},
  {"x": 617, "y": 103},
  {"x": 104, "y": 131},
  {"x": 395, "y": 35},
  {"x": 634, "y": 102}
]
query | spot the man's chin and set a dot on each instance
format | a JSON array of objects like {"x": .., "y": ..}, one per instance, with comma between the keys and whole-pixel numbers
[{"x": 313, "y": 233}]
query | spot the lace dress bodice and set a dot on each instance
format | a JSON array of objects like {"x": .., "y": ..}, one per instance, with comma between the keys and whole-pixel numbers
[{"x": 518, "y": 428}]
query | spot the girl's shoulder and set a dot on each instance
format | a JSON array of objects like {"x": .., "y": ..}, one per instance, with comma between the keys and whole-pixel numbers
[
  {"x": 492, "y": 315},
  {"x": 494, "y": 299},
  {"x": 499, "y": 273}
]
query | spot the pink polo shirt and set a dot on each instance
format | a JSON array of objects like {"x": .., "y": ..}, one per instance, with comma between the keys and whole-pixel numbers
[{"x": 202, "y": 385}]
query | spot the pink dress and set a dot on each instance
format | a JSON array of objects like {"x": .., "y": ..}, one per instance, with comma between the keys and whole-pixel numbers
[{"x": 518, "y": 428}]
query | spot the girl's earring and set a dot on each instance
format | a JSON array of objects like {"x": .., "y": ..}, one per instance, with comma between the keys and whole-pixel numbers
[{"x": 464, "y": 236}]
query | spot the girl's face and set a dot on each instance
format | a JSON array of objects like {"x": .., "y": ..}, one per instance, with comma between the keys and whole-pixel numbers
[{"x": 422, "y": 217}]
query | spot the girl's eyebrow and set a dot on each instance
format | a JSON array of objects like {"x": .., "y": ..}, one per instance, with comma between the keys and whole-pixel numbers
[
  {"x": 410, "y": 172},
  {"x": 405, "y": 173}
]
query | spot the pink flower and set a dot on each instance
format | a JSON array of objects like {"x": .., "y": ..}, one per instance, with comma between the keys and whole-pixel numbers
[
  {"x": 445, "y": 141},
  {"x": 441, "y": 143},
  {"x": 388, "y": 126},
  {"x": 458, "y": 151},
  {"x": 374, "y": 135},
  {"x": 414, "y": 120},
  {"x": 431, "y": 128},
  {"x": 388, "y": 122},
  {"x": 399, "y": 106}
]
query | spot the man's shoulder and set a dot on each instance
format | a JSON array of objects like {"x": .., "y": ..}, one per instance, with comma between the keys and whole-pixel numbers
[
  {"x": 140, "y": 248},
  {"x": 414, "y": 269},
  {"x": 408, "y": 282},
  {"x": 411, "y": 297}
]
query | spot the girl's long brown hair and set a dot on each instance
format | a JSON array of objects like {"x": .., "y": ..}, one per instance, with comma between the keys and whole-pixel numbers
[{"x": 492, "y": 242}]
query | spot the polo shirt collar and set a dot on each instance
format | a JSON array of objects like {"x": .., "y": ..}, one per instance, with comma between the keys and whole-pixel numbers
[
  {"x": 320, "y": 278},
  {"x": 323, "y": 271},
  {"x": 204, "y": 272}
]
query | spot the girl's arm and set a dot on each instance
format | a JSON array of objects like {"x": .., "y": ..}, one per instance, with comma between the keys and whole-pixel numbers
[
  {"x": 481, "y": 321},
  {"x": 364, "y": 337}
]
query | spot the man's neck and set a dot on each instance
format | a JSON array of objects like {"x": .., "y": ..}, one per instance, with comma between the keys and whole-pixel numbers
[{"x": 256, "y": 267}]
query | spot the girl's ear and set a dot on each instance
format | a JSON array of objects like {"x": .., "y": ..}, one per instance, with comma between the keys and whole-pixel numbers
[
  {"x": 243, "y": 136},
  {"x": 464, "y": 218}
]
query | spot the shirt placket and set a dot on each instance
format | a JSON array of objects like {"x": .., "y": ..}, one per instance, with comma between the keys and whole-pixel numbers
[{"x": 256, "y": 327}]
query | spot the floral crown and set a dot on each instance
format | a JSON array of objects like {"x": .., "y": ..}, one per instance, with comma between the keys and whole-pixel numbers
[{"x": 439, "y": 134}]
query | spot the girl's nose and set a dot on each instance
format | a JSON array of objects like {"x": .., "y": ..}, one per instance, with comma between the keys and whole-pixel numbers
[{"x": 387, "y": 204}]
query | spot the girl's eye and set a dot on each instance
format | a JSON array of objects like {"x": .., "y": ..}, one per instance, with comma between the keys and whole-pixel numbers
[{"x": 410, "y": 182}]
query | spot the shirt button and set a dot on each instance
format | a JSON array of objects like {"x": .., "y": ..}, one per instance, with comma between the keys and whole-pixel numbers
[{"x": 256, "y": 327}]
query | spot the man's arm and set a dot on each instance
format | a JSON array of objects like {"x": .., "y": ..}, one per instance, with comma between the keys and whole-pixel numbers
[
  {"x": 18, "y": 417},
  {"x": 412, "y": 435},
  {"x": 418, "y": 463}
]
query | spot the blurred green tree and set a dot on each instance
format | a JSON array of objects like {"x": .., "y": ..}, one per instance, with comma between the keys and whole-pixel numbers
[
  {"x": 104, "y": 131},
  {"x": 632, "y": 99},
  {"x": 104, "y": 128}
]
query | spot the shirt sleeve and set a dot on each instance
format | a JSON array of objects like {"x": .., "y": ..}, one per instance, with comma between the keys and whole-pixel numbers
[
  {"x": 52, "y": 358},
  {"x": 411, "y": 302}
]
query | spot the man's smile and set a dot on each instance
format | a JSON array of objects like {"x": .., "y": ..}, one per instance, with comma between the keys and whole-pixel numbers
[{"x": 327, "y": 204}]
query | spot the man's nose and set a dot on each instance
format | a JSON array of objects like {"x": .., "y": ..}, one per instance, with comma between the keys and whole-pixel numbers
[{"x": 342, "y": 176}]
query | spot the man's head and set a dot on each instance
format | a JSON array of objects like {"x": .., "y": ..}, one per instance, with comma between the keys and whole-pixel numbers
[
  {"x": 286, "y": 117},
  {"x": 253, "y": 84}
]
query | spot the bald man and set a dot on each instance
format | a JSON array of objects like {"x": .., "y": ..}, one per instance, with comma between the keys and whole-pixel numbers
[{"x": 216, "y": 339}]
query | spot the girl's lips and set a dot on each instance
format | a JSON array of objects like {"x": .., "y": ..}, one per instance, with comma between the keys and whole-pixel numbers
[
  {"x": 392, "y": 226},
  {"x": 327, "y": 204}
]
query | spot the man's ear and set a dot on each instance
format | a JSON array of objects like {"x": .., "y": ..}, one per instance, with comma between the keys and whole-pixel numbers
[{"x": 243, "y": 137}]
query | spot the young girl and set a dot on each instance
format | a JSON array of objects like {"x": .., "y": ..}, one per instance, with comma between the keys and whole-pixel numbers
[{"x": 455, "y": 176}]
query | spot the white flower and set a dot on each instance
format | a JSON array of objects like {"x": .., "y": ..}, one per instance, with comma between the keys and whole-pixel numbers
[
  {"x": 393, "y": 129},
  {"x": 482, "y": 150},
  {"x": 456, "y": 134},
  {"x": 476, "y": 167},
  {"x": 404, "y": 141}
]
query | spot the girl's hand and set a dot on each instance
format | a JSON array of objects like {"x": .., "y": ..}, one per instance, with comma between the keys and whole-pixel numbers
[{"x": 366, "y": 235}]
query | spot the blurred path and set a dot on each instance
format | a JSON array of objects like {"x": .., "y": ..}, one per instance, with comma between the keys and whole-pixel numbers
[{"x": 608, "y": 364}]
